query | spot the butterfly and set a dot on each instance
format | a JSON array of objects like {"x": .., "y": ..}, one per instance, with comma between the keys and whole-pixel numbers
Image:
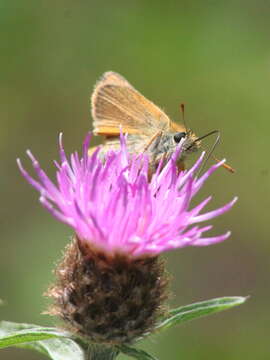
[{"x": 118, "y": 107}]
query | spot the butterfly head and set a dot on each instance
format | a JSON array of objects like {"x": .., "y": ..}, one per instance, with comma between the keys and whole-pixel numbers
[{"x": 165, "y": 144}]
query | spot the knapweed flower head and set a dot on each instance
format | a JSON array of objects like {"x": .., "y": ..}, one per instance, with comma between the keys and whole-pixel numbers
[
  {"x": 112, "y": 205},
  {"x": 110, "y": 284}
]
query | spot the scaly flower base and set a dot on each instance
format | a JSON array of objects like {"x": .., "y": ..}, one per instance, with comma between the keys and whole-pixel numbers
[{"x": 108, "y": 299}]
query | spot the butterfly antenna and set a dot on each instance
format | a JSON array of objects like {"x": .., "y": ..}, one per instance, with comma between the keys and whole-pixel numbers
[
  {"x": 182, "y": 110},
  {"x": 210, "y": 153}
]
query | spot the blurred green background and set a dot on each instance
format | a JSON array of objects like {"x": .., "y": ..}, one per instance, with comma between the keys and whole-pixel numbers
[{"x": 212, "y": 55}]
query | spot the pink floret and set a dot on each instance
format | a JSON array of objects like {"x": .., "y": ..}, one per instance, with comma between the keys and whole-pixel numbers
[{"x": 114, "y": 207}]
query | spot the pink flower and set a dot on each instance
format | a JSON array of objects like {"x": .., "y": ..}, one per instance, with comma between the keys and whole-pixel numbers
[{"x": 112, "y": 206}]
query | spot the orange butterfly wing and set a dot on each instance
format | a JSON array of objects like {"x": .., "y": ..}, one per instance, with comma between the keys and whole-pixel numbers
[{"x": 115, "y": 104}]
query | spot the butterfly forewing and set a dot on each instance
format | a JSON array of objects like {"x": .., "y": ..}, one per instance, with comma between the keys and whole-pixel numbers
[{"x": 115, "y": 104}]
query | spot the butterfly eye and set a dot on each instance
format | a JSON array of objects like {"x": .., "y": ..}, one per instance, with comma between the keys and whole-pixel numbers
[{"x": 178, "y": 136}]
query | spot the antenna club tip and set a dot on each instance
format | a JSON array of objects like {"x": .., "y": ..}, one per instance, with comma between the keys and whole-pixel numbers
[
  {"x": 182, "y": 107},
  {"x": 229, "y": 168}
]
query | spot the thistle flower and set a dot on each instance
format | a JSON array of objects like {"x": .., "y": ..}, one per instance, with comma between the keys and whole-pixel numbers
[{"x": 111, "y": 284}]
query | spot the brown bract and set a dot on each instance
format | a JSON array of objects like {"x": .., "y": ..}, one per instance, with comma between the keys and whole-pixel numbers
[{"x": 108, "y": 299}]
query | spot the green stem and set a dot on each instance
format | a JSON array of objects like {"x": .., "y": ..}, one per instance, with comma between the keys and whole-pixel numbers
[{"x": 101, "y": 352}]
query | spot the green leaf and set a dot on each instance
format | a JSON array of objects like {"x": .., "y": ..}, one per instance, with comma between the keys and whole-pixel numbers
[
  {"x": 49, "y": 341},
  {"x": 199, "y": 309},
  {"x": 57, "y": 349},
  {"x": 13, "y": 334},
  {"x": 33, "y": 346},
  {"x": 136, "y": 353}
]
